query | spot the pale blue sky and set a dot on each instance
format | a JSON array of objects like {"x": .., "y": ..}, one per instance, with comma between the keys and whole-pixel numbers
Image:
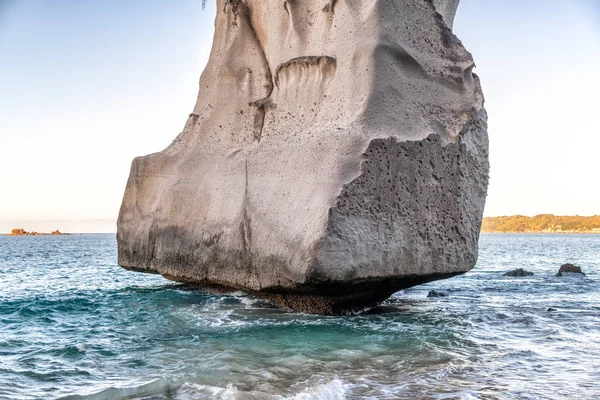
[{"x": 85, "y": 86}]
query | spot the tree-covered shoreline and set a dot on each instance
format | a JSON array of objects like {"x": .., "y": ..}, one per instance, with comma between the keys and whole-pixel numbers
[{"x": 542, "y": 223}]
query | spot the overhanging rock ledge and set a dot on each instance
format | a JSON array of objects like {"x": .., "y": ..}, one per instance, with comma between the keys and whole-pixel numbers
[{"x": 337, "y": 153}]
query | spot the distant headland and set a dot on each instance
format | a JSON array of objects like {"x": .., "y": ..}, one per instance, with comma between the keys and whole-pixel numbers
[
  {"x": 543, "y": 223},
  {"x": 22, "y": 232}
]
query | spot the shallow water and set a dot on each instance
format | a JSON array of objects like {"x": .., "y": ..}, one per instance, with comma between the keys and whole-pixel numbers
[{"x": 74, "y": 325}]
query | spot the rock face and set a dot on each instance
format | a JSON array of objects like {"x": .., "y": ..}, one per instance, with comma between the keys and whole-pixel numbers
[
  {"x": 519, "y": 272},
  {"x": 569, "y": 269},
  {"x": 337, "y": 153}
]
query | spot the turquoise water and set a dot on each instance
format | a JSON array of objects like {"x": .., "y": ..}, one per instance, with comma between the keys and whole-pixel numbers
[{"x": 74, "y": 325}]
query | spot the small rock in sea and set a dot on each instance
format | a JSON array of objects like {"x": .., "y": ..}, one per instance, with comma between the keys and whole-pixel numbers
[
  {"x": 569, "y": 268},
  {"x": 551, "y": 309},
  {"x": 434, "y": 293},
  {"x": 518, "y": 272}
]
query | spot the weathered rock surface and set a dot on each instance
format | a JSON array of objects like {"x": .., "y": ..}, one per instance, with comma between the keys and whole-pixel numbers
[
  {"x": 569, "y": 269},
  {"x": 519, "y": 272},
  {"x": 337, "y": 153}
]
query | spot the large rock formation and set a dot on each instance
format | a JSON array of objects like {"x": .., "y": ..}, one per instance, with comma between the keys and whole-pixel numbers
[{"x": 337, "y": 153}]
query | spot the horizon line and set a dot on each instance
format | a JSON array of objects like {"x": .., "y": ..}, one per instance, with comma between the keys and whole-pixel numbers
[{"x": 115, "y": 219}]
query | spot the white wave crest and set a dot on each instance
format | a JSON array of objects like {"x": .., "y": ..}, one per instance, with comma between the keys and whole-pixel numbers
[{"x": 332, "y": 390}]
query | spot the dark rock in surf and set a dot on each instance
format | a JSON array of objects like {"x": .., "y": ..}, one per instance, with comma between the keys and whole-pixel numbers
[
  {"x": 434, "y": 293},
  {"x": 569, "y": 269},
  {"x": 519, "y": 272}
]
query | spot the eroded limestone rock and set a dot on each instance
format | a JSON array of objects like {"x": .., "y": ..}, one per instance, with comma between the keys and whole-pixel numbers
[{"x": 337, "y": 153}]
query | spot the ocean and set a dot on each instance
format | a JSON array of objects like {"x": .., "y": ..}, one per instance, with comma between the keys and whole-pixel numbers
[{"x": 74, "y": 325}]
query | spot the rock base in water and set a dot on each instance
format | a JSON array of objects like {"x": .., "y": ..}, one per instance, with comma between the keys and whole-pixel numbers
[{"x": 329, "y": 298}]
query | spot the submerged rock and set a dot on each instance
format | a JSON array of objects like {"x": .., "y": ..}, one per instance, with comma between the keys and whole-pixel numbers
[
  {"x": 434, "y": 293},
  {"x": 518, "y": 272},
  {"x": 335, "y": 155},
  {"x": 570, "y": 269}
]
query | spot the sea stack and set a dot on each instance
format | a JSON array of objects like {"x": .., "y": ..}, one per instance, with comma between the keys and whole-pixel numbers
[{"x": 336, "y": 154}]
